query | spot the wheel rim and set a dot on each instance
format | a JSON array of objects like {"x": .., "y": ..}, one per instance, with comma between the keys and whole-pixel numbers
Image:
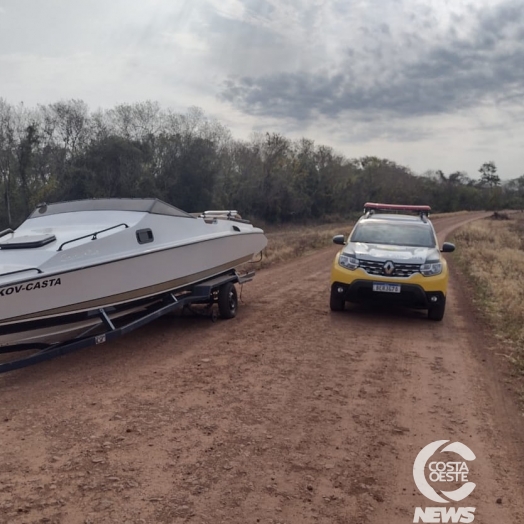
[{"x": 231, "y": 300}]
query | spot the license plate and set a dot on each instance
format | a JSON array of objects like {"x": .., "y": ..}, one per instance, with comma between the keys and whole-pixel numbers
[{"x": 387, "y": 288}]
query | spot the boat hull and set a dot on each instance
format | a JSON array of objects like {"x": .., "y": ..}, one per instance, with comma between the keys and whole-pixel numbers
[{"x": 125, "y": 280}]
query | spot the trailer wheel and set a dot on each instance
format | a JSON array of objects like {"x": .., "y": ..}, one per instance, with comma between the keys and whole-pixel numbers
[{"x": 227, "y": 300}]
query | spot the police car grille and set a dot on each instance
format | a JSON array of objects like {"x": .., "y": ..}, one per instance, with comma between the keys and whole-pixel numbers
[{"x": 377, "y": 268}]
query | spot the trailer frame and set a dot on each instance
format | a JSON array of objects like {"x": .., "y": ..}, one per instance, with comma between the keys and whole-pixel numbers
[{"x": 204, "y": 292}]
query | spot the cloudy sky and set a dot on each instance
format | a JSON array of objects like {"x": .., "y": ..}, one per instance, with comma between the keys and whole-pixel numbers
[{"x": 431, "y": 84}]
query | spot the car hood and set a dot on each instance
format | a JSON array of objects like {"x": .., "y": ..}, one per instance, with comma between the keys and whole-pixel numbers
[{"x": 384, "y": 252}]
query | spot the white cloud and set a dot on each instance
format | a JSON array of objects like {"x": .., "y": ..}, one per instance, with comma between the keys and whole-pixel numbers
[
  {"x": 411, "y": 62},
  {"x": 186, "y": 41},
  {"x": 233, "y": 9}
]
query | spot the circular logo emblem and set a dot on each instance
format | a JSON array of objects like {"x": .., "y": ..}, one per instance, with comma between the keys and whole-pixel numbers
[
  {"x": 440, "y": 471},
  {"x": 389, "y": 267}
]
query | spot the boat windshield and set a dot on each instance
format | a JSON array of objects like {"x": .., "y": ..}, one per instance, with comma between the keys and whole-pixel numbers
[{"x": 144, "y": 205}]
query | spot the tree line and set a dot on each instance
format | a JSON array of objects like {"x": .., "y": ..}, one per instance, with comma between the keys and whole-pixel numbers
[{"x": 65, "y": 151}]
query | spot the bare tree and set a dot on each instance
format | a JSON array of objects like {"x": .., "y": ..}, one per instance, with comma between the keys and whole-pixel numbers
[{"x": 6, "y": 154}]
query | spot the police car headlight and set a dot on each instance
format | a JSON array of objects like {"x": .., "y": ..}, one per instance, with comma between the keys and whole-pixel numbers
[
  {"x": 348, "y": 261},
  {"x": 431, "y": 269}
]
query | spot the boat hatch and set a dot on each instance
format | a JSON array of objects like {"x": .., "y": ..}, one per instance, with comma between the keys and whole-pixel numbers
[{"x": 27, "y": 242}]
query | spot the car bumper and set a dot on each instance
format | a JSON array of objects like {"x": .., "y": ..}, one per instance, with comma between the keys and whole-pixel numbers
[{"x": 411, "y": 295}]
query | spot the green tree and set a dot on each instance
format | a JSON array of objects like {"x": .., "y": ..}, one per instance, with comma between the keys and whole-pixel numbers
[
  {"x": 489, "y": 176},
  {"x": 111, "y": 167}
]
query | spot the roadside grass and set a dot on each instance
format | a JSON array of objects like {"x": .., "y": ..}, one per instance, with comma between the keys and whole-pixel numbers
[
  {"x": 450, "y": 214},
  {"x": 289, "y": 242},
  {"x": 491, "y": 254}
]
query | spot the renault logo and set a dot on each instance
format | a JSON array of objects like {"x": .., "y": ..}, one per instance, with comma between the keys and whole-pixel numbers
[{"x": 389, "y": 267}]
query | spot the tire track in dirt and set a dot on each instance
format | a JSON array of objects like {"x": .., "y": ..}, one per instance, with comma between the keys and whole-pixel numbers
[
  {"x": 286, "y": 414},
  {"x": 459, "y": 402}
]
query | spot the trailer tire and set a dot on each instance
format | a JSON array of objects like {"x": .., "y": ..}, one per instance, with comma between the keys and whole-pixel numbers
[{"x": 227, "y": 300}]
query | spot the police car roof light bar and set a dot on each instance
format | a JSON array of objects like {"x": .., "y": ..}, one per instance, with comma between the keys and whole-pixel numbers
[{"x": 373, "y": 206}]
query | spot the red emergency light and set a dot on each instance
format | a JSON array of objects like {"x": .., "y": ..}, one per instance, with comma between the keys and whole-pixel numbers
[{"x": 373, "y": 206}]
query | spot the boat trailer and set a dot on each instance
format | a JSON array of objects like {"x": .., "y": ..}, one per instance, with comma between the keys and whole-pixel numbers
[{"x": 218, "y": 290}]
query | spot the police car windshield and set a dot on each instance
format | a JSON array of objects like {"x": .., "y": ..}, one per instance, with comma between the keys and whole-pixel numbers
[{"x": 412, "y": 235}]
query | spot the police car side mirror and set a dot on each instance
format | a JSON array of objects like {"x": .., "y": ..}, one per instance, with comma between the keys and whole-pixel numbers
[
  {"x": 339, "y": 239},
  {"x": 447, "y": 247}
]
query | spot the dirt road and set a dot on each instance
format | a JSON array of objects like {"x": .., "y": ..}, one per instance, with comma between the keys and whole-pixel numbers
[{"x": 286, "y": 414}]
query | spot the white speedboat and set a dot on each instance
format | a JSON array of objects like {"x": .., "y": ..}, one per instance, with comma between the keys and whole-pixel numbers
[{"x": 68, "y": 261}]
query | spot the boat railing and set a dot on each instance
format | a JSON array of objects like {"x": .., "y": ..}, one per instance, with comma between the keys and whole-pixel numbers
[
  {"x": 6, "y": 232},
  {"x": 38, "y": 270},
  {"x": 92, "y": 235},
  {"x": 224, "y": 214}
]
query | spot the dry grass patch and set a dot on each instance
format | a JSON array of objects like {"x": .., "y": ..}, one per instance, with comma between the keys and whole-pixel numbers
[
  {"x": 491, "y": 253},
  {"x": 451, "y": 214}
]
